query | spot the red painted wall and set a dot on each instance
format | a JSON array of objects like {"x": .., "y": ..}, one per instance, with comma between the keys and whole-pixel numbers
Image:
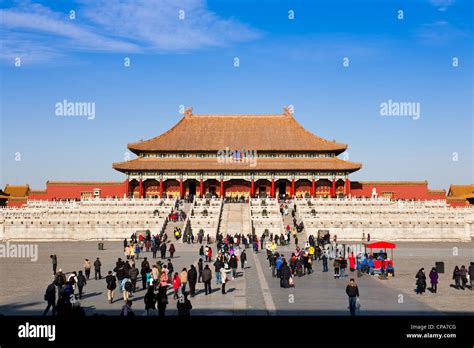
[
  {"x": 74, "y": 190},
  {"x": 400, "y": 190}
]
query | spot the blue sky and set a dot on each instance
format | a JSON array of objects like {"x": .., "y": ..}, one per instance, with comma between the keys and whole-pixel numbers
[{"x": 190, "y": 62}]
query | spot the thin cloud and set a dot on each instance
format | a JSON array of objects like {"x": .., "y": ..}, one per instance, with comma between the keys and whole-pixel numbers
[
  {"x": 442, "y": 5},
  {"x": 440, "y": 32},
  {"x": 38, "y": 33}
]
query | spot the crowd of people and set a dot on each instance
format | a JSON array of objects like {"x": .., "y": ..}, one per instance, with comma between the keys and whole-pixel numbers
[{"x": 222, "y": 261}]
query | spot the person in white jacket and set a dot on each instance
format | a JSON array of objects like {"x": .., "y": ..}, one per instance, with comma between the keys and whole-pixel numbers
[{"x": 224, "y": 271}]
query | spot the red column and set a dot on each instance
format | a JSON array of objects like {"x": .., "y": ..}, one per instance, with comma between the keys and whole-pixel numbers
[
  {"x": 333, "y": 188},
  {"x": 292, "y": 192},
  {"x": 313, "y": 188},
  {"x": 201, "y": 188},
  {"x": 348, "y": 187},
  {"x": 127, "y": 187},
  {"x": 273, "y": 189},
  {"x": 252, "y": 189},
  {"x": 140, "y": 188},
  {"x": 181, "y": 191},
  {"x": 161, "y": 187},
  {"x": 222, "y": 188}
]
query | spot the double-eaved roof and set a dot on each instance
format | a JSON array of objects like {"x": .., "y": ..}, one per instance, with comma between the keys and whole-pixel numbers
[{"x": 260, "y": 133}]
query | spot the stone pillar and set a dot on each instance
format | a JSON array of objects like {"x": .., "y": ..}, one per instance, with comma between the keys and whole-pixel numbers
[
  {"x": 201, "y": 188},
  {"x": 272, "y": 192},
  {"x": 313, "y": 188},
  {"x": 140, "y": 188},
  {"x": 222, "y": 188},
  {"x": 333, "y": 188},
  {"x": 181, "y": 189},
  {"x": 348, "y": 187},
  {"x": 161, "y": 187}
]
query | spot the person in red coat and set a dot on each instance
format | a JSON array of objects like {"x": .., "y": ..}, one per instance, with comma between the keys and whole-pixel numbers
[
  {"x": 352, "y": 262},
  {"x": 176, "y": 284}
]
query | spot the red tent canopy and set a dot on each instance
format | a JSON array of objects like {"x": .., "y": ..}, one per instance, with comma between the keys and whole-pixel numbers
[{"x": 381, "y": 245}]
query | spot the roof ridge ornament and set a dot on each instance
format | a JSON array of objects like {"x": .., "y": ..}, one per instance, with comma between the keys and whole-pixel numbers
[
  {"x": 288, "y": 110},
  {"x": 188, "y": 111}
]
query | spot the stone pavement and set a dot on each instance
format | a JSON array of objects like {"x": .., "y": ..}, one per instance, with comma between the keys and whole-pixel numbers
[{"x": 253, "y": 292}]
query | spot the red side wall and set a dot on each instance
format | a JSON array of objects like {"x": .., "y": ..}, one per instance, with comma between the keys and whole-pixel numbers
[
  {"x": 400, "y": 191},
  {"x": 74, "y": 190}
]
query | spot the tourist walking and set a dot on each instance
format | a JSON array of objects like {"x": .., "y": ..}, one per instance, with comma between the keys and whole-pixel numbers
[
  {"x": 145, "y": 268},
  {"x": 163, "y": 250},
  {"x": 162, "y": 300},
  {"x": 150, "y": 301},
  {"x": 184, "y": 306},
  {"x": 192, "y": 279},
  {"x": 126, "y": 288},
  {"x": 225, "y": 270},
  {"x": 420, "y": 281},
  {"x": 471, "y": 274},
  {"x": 243, "y": 259},
  {"x": 434, "y": 280},
  {"x": 233, "y": 265},
  {"x": 127, "y": 310},
  {"x": 217, "y": 268},
  {"x": 172, "y": 250},
  {"x": 87, "y": 268},
  {"x": 50, "y": 297},
  {"x": 183, "y": 277},
  {"x": 206, "y": 279},
  {"x": 325, "y": 262},
  {"x": 54, "y": 261},
  {"x": 176, "y": 285},
  {"x": 352, "y": 291},
  {"x": 463, "y": 272},
  {"x": 97, "y": 265},
  {"x": 457, "y": 277},
  {"x": 111, "y": 282},
  {"x": 81, "y": 282},
  {"x": 200, "y": 268}
]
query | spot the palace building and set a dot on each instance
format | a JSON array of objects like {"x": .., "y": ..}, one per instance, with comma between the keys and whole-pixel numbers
[
  {"x": 233, "y": 156},
  {"x": 237, "y": 156}
]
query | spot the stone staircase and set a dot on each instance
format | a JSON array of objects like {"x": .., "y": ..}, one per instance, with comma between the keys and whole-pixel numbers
[
  {"x": 235, "y": 218},
  {"x": 288, "y": 220},
  {"x": 170, "y": 226}
]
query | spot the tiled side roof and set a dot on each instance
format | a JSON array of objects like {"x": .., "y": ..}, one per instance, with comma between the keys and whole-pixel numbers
[
  {"x": 17, "y": 191},
  {"x": 183, "y": 164},
  {"x": 265, "y": 132},
  {"x": 460, "y": 191}
]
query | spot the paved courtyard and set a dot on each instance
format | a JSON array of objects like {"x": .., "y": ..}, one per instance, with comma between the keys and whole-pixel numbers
[{"x": 254, "y": 291}]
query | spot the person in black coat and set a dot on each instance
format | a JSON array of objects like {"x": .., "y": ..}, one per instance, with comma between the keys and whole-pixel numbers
[
  {"x": 163, "y": 251},
  {"x": 192, "y": 279},
  {"x": 420, "y": 281},
  {"x": 145, "y": 268},
  {"x": 243, "y": 259},
  {"x": 285, "y": 274},
  {"x": 150, "y": 300},
  {"x": 50, "y": 297},
  {"x": 200, "y": 268},
  {"x": 184, "y": 306},
  {"x": 81, "y": 281},
  {"x": 457, "y": 277},
  {"x": 352, "y": 291},
  {"x": 471, "y": 274},
  {"x": 162, "y": 300}
]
